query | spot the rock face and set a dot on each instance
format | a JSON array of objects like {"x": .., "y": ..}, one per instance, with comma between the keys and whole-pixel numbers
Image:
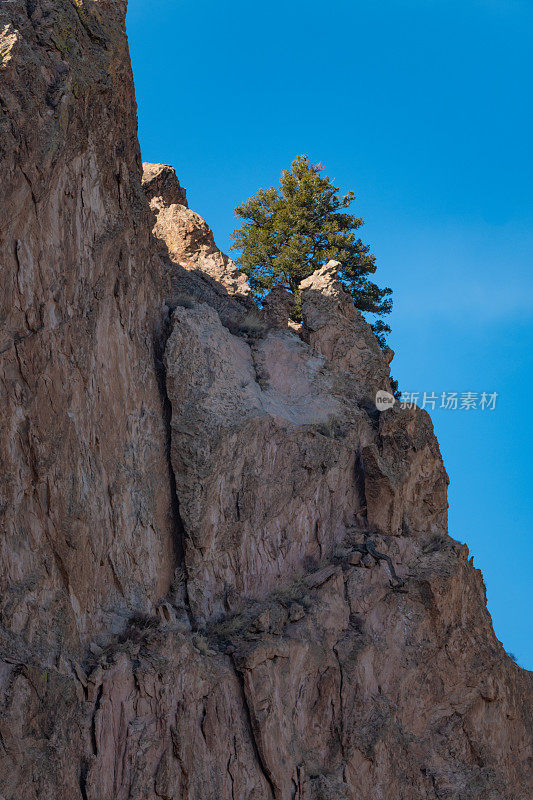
[
  {"x": 249, "y": 409},
  {"x": 224, "y": 573},
  {"x": 85, "y": 499},
  {"x": 334, "y": 327},
  {"x": 246, "y": 412},
  {"x": 278, "y": 305}
]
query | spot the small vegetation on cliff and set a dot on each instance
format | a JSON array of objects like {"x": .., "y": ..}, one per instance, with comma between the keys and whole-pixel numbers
[{"x": 291, "y": 231}]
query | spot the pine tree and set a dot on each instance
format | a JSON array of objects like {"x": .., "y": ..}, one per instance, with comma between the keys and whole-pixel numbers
[{"x": 291, "y": 231}]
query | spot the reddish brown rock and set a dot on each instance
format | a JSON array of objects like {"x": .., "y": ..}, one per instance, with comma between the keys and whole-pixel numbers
[
  {"x": 85, "y": 500},
  {"x": 225, "y": 574},
  {"x": 334, "y": 327},
  {"x": 405, "y": 480}
]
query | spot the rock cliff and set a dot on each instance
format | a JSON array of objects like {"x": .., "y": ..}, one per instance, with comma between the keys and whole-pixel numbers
[{"x": 224, "y": 573}]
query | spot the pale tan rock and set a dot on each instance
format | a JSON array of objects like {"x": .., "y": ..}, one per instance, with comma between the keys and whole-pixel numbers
[{"x": 183, "y": 235}]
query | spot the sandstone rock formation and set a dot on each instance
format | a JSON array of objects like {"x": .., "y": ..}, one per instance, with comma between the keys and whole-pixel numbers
[{"x": 225, "y": 575}]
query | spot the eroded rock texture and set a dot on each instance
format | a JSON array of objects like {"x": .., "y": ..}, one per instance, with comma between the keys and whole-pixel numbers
[
  {"x": 225, "y": 575},
  {"x": 84, "y": 492}
]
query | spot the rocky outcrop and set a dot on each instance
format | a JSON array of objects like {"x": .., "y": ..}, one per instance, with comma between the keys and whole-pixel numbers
[
  {"x": 162, "y": 187},
  {"x": 183, "y": 235},
  {"x": 225, "y": 574},
  {"x": 248, "y": 409},
  {"x": 334, "y": 327}
]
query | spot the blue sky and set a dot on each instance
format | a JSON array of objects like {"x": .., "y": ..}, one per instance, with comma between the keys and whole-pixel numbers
[{"x": 424, "y": 108}]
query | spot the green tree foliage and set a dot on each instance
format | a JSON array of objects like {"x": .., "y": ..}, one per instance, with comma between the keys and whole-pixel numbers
[{"x": 291, "y": 231}]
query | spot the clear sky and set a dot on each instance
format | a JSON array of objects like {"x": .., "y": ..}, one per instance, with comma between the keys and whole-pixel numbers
[{"x": 425, "y": 109}]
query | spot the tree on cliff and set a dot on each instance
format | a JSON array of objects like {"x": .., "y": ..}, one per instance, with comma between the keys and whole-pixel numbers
[{"x": 291, "y": 231}]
